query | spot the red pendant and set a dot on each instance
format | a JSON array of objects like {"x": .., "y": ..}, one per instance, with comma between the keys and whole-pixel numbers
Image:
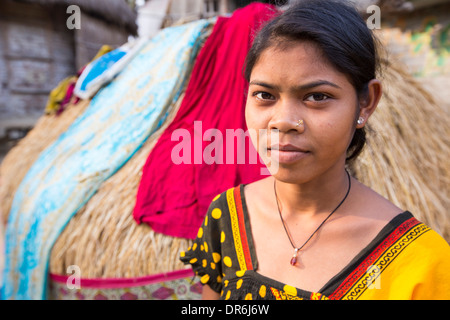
[{"x": 294, "y": 261}]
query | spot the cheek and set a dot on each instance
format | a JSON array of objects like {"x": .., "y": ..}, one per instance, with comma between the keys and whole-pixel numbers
[
  {"x": 248, "y": 116},
  {"x": 257, "y": 122},
  {"x": 255, "y": 119},
  {"x": 335, "y": 133}
]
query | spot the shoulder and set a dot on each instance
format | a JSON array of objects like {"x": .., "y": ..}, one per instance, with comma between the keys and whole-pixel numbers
[
  {"x": 225, "y": 201},
  {"x": 259, "y": 196},
  {"x": 430, "y": 245},
  {"x": 223, "y": 210},
  {"x": 426, "y": 263},
  {"x": 368, "y": 202},
  {"x": 425, "y": 252},
  {"x": 375, "y": 205}
]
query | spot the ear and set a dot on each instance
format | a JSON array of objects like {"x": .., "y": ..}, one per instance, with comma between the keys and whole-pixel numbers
[{"x": 369, "y": 102}]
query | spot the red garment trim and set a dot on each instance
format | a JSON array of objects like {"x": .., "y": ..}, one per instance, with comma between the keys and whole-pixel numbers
[
  {"x": 242, "y": 230},
  {"x": 113, "y": 283},
  {"x": 382, "y": 247}
]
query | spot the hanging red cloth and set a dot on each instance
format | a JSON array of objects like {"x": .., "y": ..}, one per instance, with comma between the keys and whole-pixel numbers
[{"x": 173, "y": 198}]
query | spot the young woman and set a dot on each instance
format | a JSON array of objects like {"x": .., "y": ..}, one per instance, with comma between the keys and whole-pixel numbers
[{"x": 310, "y": 230}]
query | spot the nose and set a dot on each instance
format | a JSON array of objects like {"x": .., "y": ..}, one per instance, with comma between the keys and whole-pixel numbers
[{"x": 287, "y": 117}]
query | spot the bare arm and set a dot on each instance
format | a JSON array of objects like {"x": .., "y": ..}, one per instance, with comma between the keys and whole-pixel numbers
[{"x": 209, "y": 294}]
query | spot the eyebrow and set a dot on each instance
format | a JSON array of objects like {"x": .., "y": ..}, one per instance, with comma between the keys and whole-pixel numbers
[{"x": 305, "y": 86}]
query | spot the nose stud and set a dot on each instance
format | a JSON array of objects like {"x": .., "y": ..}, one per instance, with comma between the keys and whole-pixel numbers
[{"x": 299, "y": 123}]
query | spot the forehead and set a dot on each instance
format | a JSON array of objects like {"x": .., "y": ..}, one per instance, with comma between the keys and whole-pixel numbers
[{"x": 295, "y": 61}]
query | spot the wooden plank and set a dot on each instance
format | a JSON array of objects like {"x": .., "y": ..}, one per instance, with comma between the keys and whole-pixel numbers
[
  {"x": 27, "y": 39},
  {"x": 30, "y": 76},
  {"x": 26, "y": 105}
]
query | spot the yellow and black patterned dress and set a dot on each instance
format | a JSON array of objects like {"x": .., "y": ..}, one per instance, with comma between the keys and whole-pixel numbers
[{"x": 407, "y": 260}]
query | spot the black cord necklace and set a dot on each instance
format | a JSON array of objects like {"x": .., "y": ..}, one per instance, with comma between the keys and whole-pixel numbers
[{"x": 296, "y": 250}]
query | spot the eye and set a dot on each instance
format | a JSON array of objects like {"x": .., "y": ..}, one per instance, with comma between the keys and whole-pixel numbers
[
  {"x": 264, "y": 96},
  {"x": 316, "y": 97}
]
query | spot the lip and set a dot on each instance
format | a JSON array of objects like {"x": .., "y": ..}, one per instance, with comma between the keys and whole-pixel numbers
[
  {"x": 287, "y": 153},
  {"x": 287, "y": 147}
]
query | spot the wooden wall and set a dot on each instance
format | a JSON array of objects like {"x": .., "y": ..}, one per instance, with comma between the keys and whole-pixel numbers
[{"x": 36, "y": 53}]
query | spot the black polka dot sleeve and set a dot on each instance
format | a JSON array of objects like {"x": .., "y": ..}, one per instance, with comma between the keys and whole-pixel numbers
[{"x": 205, "y": 254}]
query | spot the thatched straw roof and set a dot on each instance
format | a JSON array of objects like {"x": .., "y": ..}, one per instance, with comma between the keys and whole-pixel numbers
[{"x": 117, "y": 12}]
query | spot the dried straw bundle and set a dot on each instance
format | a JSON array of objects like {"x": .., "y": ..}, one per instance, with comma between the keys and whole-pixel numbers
[
  {"x": 20, "y": 158},
  {"x": 406, "y": 157}
]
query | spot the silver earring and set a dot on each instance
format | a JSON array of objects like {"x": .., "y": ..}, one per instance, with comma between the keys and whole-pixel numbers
[
  {"x": 299, "y": 123},
  {"x": 360, "y": 120}
]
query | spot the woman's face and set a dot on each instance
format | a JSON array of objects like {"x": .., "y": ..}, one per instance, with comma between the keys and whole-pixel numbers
[{"x": 298, "y": 83}]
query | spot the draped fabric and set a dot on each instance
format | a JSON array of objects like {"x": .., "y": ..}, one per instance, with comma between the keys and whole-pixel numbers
[
  {"x": 174, "y": 194},
  {"x": 103, "y": 69},
  {"x": 60, "y": 96},
  {"x": 114, "y": 126}
]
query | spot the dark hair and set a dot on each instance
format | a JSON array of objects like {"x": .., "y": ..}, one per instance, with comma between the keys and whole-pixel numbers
[{"x": 341, "y": 34}]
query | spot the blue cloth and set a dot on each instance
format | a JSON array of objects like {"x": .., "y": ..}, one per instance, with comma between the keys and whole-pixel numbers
[
  {"x": 100, "y": 65},
  {"x": 119, "y": 119}
]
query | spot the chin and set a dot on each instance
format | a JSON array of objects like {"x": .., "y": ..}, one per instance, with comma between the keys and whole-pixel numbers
[{"x": 292, "y": 176}]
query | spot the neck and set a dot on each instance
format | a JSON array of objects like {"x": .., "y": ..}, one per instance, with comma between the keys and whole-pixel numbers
[{"x": 317, "y": 197}]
